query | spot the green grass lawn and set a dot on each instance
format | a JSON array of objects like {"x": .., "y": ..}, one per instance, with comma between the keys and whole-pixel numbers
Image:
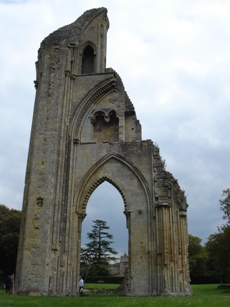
[
  {"x": 100, "y": 286},
  {"x": 203, "y": 295}
]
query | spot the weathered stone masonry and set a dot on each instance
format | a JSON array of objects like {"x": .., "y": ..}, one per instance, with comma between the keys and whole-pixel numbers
[{"x": 85, "y": 132}]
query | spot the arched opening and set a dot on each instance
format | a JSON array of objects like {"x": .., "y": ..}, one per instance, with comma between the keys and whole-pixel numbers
[
  {"x": 88, "y": 60},
  {"x": 107, "y": 204}
]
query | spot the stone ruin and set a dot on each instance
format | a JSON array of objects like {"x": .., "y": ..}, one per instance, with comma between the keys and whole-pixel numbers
[{"x": 84, "y": 132}]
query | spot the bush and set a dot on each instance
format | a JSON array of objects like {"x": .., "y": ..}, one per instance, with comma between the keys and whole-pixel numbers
[{"x": 205, "y": 280}]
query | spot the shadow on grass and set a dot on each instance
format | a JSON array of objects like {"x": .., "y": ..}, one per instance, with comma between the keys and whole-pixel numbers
[{"x": 225, "y": 288}]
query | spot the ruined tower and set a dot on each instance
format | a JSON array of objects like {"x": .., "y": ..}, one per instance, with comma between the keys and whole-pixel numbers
[{"x": 84, "y": 132}]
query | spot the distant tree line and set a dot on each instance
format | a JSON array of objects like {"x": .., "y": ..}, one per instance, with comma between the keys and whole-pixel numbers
[
  {"x": 211, "y": 260},
  {"x": 9, "y": 233},
  {"x": 218, "y": 245}
]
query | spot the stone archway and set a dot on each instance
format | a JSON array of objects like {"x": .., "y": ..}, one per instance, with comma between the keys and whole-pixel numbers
[
  {"x": 106, "y": 204},
  {"x": 85, "y": 131},
  {"x": 129, "y": 183}
]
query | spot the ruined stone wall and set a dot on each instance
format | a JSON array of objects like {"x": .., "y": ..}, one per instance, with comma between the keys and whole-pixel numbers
[{"x": 84, "y": 132}]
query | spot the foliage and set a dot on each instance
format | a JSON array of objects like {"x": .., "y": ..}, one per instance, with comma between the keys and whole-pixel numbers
[
  {"x": 218, "y": 244},
  {"x": 9, "y": 233},
  {"x": 225, "y": 204},
  {"x": 97, "y": 254},
  {"x": 218, "y": 248},
  {"x": 203, "y": 296},
  {"x": 197, "y": 257}
]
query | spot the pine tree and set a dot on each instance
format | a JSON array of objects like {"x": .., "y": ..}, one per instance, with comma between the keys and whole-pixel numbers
[{"x": 98, "y": 253}]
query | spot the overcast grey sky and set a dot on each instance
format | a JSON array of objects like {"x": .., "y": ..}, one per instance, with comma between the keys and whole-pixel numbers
[{"x": 174, "y": 59}]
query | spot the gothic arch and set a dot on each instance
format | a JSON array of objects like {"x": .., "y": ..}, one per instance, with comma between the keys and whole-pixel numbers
[
  {"x": 86, "y": 195},
  {"x": 85, "y": 44},
  {"x": 91, "y": 181}
]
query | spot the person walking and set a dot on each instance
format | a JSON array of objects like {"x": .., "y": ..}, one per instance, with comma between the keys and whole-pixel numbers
[
  {"x": 8, "y": 284},
  {"x": 81, "y": 284}
]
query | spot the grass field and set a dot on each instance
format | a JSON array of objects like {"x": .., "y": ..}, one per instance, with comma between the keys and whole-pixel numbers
[{"x": 203, "y": 295}]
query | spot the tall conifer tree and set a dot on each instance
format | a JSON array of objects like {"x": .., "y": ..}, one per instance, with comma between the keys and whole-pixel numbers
[{"x": 98, "y": 253}]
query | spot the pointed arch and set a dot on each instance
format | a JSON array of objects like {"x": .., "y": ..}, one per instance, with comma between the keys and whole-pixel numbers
[
  {"x": 93, "y": 187},
  {"x": 93, "y": 179}
]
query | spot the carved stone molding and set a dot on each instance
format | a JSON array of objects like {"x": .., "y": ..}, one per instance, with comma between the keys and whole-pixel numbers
[
  {"x": 95, "y": 185},
  {"x": 81, "y": 216},
  {"x": 71, "y": 75}
]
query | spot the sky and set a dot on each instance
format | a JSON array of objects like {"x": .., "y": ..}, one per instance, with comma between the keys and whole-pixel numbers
[{"x": 174, "y": 59}]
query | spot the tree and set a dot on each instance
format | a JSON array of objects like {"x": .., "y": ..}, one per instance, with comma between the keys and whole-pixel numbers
[
  {"x": 218, "y": 248},
  {"x": 225, "y": 204},
  {"x": 9, "y": 234},
  {"x": 97, "y": 254},
  {"x": 197, "y": 257},
  {"x": 218, "y": 244}
]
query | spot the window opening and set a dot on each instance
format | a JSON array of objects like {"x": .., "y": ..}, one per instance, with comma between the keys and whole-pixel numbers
[{"x": 88, "y": 60}]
